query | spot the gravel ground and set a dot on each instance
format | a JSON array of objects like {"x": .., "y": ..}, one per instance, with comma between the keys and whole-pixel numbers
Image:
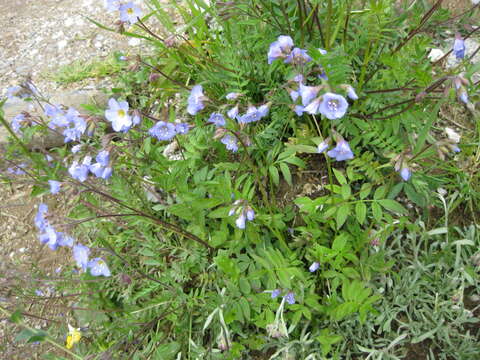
[{"x": 39, "y": 36}]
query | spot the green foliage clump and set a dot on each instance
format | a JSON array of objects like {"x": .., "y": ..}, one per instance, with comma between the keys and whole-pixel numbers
[{"x": 189, "y": 282}]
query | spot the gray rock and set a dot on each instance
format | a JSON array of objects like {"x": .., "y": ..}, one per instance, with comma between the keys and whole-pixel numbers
[{"x": 74, "y": 99}]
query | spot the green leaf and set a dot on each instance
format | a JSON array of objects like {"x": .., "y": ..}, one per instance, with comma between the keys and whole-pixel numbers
[
  {"x": 365, "y": 190},
  {"x": 16, "y": 316},
  {"x": 220, "y": 212},
  {"x": 361, "y": 212},
  {"x": 342, "y": 214},
  {"x": 340, "y": 177},
  {"x": 380, "y": 192},
  {"x": 377, "y": 211},
  {"x": 244, "y": 285},
  {"x": 31, "y": 335},
  {"x": 167, "y": 351},
  {"x": 245, "y": 308},
  {"x": 346, "y": 191},
  {"x": 393, "y": 206},
  {"x": 226, "y": 265},
  {"x": 274, "y": 174},
  {"x": 286, "y": 173},
  {"x": 413, "y": 195},
  {"x": 339, "y": 242}
]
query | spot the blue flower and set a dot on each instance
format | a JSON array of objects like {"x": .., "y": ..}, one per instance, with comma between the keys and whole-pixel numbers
[
  {"x": 314, "y": 267},
  {"x": 323, "y": 146},
  {"x": 299, "y": 110},
  {"x": 298, "y": 78},
  {"x": 323, "y": 75},
  {"x": 80, "y": 255},
  {"x": 333, "y": 106},
  {"x": 101, "y": 171},
  {"x": 65, "y": 240},
  {"x": 463, "y": 96},
  {"x": 290, "y": 298},
  {"x": 17, "y": 123},
  {"x": 50, "y": 237},
  {"x": 163, "y": 130},
  {"x": 40, "y": 221},
  {"x": 250, "y": 214},
  {"x": 280, "y": 48},
  {"x": 233, "y": 96},
  {"x": 54, "y": 186},
  {"x": 107, "y": 173},
  {"x": 308, "y": 93},
  {"x": 76, "y": 148},
  {"x": 294, "y": 95},
  {"x": 253, "y": 114},
  {"x": 405, "y": 173},
  {"x": 117, "y": 114},
  {"x": 195, "y": 100},
  {"x": 459, "y": 47},
  {"x": 341, "y": 152},
  {"x": 136, "y": 118},
  {"x": 298, "y": 56},
  {"x": 351, "y": 93},
  {"x": 96, "y": 169},
  {"x": 103, "y": 157},
  {"x": 182, "y": 128},
  {"x": 233, "y": 112},
  {"x": 241, "y": 221},
  {"x": 80, "y": 171},
  {"x": 276, "y": 293},
  {"x": 263, "y": 110},
  {"x": 18, "y": 169},
  {"x": 230, "y": 142},
  {"x": 130, "y": 13},
  {"x": 79, "y": 126},
  {"x": 217, "y": 119},
  {"x": 98, "y": 267},
  {"x": 314, "y": 106}
]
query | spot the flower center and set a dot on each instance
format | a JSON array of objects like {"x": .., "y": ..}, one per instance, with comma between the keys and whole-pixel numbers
[
  {"x": 130, "y": 11},
  {"x": 164, "y": 131},
  {"x": 333, "y": 105},
  {"x": 121, "y": 113}
]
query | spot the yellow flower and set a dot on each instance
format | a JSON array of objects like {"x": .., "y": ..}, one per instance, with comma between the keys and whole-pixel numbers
[{"x": 74, "y": 335}]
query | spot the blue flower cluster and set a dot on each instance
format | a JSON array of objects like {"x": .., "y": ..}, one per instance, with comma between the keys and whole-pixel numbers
[
  {"x": 101, "y": 168},
  {"x": 340, "y": 152},
  {"x": 165, "y": 131},
  {"x": 72, "y": 123},
  {"x": 289, "y": 296},
  {"x": 243, "y": 211},
  {"x": 196, "y": 103},
  {"x": 318, "y": 99},
  {"x": 49, "y": 236}
]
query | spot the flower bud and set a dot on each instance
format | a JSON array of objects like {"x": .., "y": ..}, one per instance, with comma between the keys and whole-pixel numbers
[
  {"x": 170, "y": 41},
  {"x": 153, "y": 77}
]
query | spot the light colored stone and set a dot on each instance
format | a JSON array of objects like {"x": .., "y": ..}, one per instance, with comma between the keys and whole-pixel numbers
[{"x": 435, "y": 55}]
